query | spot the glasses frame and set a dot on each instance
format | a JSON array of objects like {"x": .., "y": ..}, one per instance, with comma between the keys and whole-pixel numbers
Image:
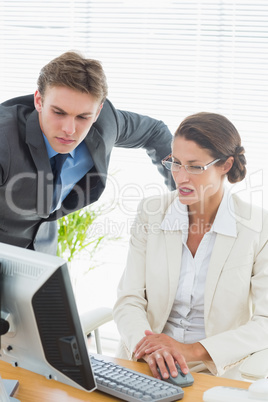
[{"x": 168, "y": 165}]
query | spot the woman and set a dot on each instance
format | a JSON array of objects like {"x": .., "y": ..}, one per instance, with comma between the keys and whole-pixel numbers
[{"x": 194, "y": 290}]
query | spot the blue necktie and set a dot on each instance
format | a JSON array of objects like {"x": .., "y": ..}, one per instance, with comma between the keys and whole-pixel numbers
[{"x": 57, "y": 162}]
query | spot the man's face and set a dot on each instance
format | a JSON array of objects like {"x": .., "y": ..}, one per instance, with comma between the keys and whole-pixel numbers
[{"x": 66, "y": 116}]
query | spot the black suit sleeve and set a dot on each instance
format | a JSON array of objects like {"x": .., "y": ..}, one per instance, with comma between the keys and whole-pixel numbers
[{"x": 138, "y": 131}]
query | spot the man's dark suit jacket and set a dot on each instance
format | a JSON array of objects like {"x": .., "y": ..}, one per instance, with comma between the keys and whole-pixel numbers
[{"x": 25, "y": 173}]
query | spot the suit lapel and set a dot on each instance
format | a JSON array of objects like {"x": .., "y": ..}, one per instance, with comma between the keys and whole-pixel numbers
[
  {"x": 221, "y": 251},
  {"x": 174, "y": 251},
  {"x": 37, "y": 147},
  {"x": 97, "y": 150}
]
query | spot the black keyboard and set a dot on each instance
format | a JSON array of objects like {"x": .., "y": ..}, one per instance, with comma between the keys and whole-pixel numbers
[{"x": 130, "y": 385}]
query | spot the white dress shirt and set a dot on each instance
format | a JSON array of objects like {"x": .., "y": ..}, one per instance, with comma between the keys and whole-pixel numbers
[{"x": 186, "y": 320}]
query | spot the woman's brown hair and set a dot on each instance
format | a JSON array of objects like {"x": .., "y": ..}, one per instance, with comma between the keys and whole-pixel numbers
[{"x": 219, "y": 136}]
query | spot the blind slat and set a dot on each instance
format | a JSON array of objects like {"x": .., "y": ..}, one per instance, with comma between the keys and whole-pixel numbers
[{"x": 168, "y": 61}]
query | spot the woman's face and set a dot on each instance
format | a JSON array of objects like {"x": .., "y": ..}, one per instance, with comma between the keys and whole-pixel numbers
[{"x": 196, "y": 188}]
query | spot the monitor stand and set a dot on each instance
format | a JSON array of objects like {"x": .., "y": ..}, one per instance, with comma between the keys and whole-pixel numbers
[{"x": 7, "y": 389}]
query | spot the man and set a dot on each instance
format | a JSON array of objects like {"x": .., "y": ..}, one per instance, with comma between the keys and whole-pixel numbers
[{"x": 68, "y": 115}]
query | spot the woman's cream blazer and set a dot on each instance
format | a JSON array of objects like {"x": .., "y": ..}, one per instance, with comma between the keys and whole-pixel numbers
[{"x": 236, "y": 291}]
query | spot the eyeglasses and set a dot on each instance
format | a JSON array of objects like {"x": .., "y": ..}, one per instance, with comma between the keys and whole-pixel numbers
[{"x": 176, "y": 166}]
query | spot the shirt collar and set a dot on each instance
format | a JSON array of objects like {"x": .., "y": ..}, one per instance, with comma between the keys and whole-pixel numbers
[
  {"x": 176, "y": 217},
  {"x": 51, "y": 152},
  {"x": 225, "y": 222}
]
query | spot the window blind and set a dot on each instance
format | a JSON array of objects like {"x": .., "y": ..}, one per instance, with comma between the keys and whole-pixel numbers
[
  {"x": 168, "y": 59},
  {"x": 34, "y": 32}
]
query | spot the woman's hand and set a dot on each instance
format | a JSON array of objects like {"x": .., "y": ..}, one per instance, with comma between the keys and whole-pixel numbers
[
  {"x": 161, "y": 349},
  {"x": 151, "y": 342},
  {"x": 163, "y": 358}
]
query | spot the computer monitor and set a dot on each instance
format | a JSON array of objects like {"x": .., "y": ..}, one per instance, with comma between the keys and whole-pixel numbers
[{"x": 41, "y": 328}]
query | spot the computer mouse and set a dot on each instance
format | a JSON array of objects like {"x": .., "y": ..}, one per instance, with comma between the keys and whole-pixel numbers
[{"x": 181, "y": 380}]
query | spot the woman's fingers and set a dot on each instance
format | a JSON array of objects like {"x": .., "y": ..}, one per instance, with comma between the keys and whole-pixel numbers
[{"x": 165, "y": 360}]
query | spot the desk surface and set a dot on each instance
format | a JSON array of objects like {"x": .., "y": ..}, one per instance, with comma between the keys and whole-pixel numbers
[{"x": 34, "y": 387}]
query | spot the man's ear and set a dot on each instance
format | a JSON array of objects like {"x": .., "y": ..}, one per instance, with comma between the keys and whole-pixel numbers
[
  {"x": 228, "y": 164},
  {"x": 38, "y": 101},
  {"x": 98, "y": 112}
]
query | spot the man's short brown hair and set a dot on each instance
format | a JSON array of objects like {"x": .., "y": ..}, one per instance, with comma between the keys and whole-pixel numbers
[{"x": 74, "y": 71}]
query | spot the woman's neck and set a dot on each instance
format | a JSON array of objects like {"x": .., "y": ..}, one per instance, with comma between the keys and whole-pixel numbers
[{"x": 202, "y": 214}]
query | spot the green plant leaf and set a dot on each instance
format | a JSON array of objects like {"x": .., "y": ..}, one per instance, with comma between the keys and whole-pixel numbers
[{"x": 76, "y": 233}]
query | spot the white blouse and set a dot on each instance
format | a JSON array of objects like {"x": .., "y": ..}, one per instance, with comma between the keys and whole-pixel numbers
[{"x": 186, "y": 319}]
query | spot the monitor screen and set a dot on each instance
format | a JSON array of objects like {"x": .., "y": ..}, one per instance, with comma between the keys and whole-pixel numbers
[{"x": 40, "y": 326}]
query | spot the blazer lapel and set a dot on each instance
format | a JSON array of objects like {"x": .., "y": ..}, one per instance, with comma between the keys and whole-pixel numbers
[
  {"x": 97, "y": 150},
  {"x": 37, "y": 147},
  {"x": 221, "y": 251},
  {"x": 174, "y": 252}
]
